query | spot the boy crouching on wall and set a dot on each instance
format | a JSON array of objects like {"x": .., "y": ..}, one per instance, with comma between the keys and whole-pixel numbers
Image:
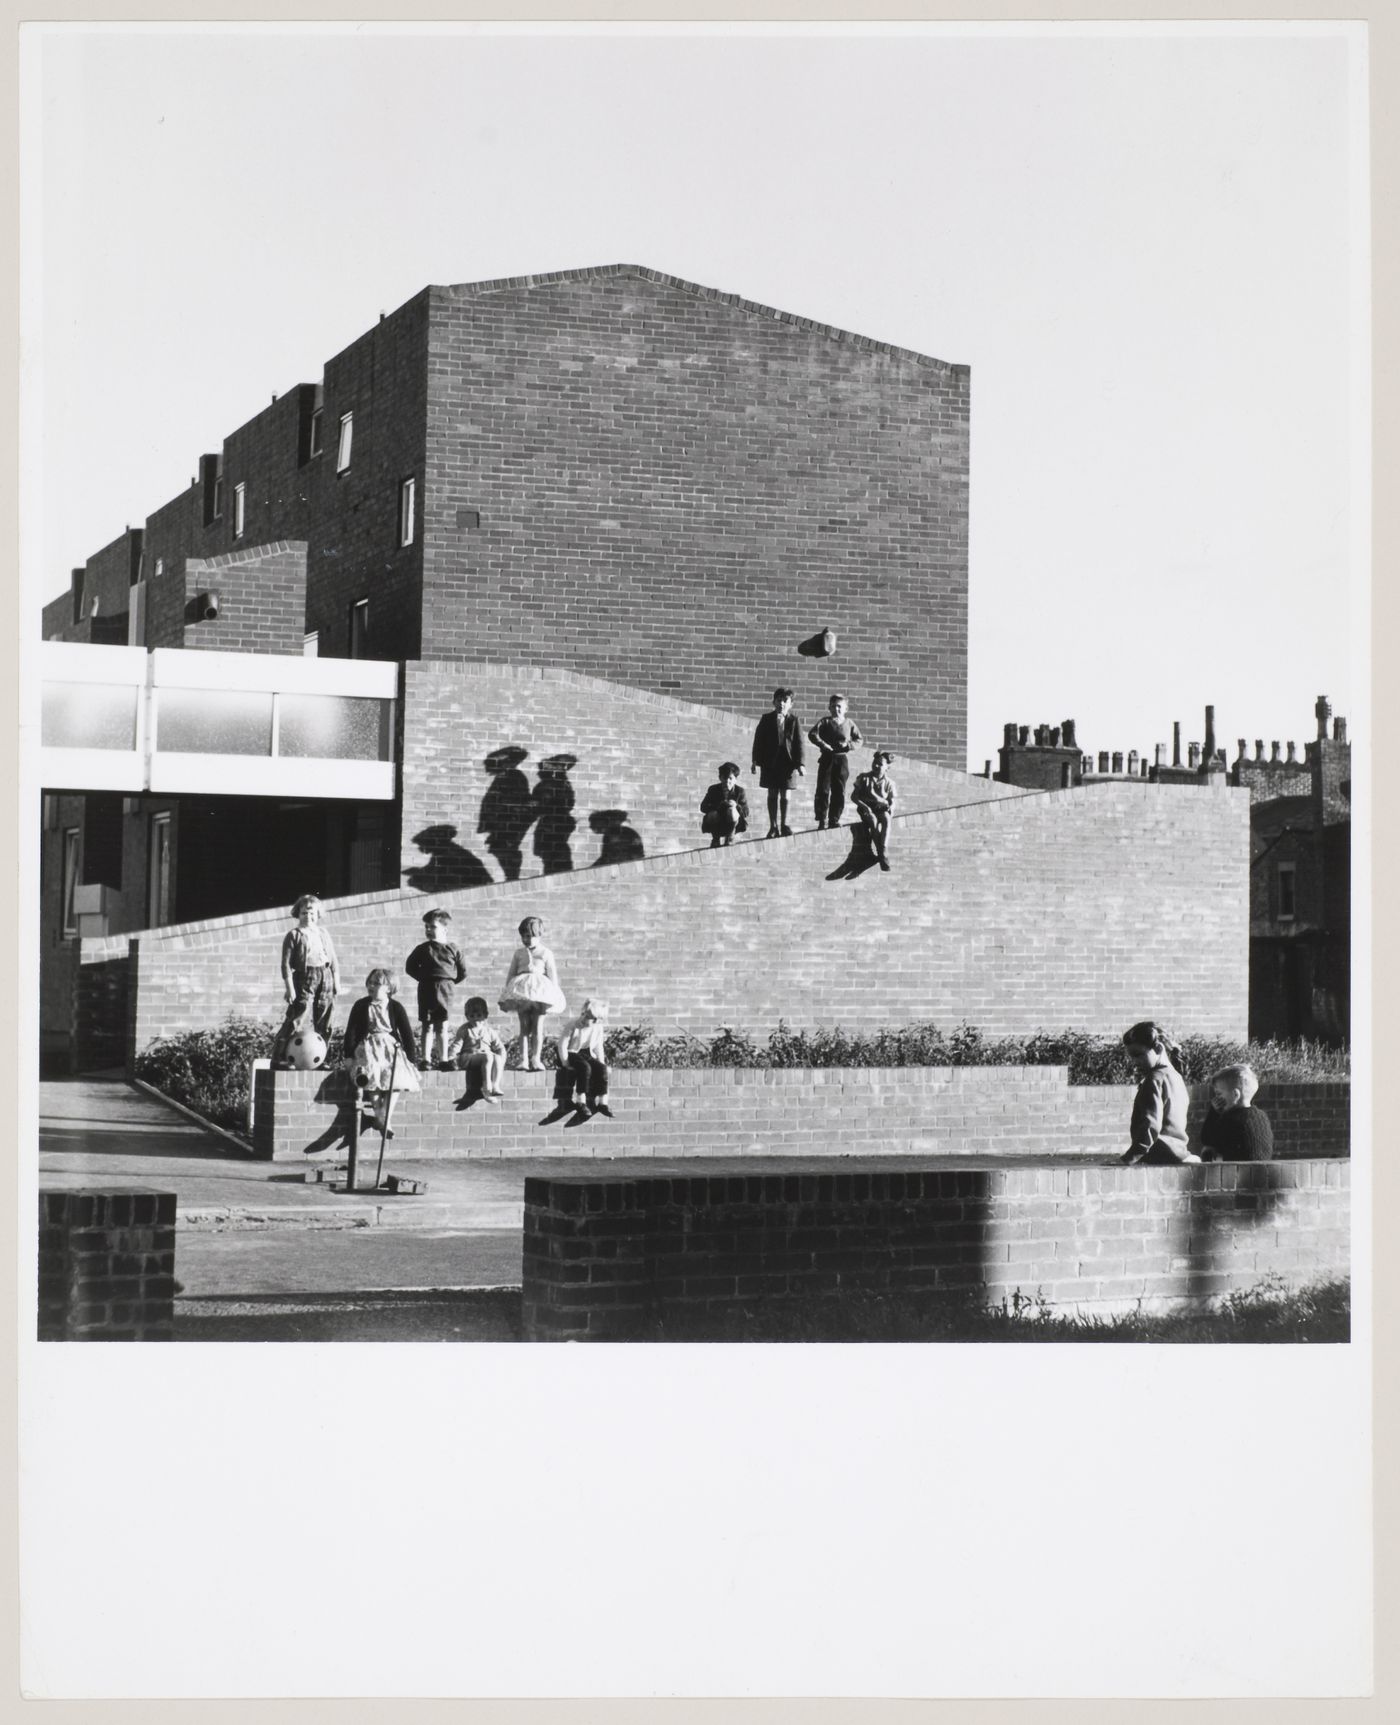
[{"x": 583, "y": 1067}]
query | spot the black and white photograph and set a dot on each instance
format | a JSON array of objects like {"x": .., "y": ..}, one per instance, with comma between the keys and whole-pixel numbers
[{"x": 697, "y": 686}]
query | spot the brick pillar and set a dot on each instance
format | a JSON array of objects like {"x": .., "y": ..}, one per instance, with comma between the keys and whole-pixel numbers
[{"x": 106, "y": 1265}]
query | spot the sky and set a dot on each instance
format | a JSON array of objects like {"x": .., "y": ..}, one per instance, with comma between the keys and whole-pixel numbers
[{"x": 1144, "y": 245}]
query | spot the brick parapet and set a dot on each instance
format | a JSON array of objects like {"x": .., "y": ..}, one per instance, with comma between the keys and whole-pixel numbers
[
  {"x": 106, "y": 1264},
  {"x": 607, "y": 1258}
]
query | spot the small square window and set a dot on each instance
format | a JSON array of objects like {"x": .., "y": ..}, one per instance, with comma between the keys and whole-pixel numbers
[
  {"x": 342, "y": 448},
  {"x": 240, "y": 499},
  {"x": 407, "y": 495}
]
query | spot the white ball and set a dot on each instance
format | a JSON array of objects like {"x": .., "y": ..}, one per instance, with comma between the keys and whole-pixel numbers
[{"x": 307, "y": 1050}]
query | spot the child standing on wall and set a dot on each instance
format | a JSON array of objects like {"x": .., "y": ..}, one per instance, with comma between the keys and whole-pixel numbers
[
  {"x": 1158, "y": 1127},
  {"x": 873, "y": 795},
  {"x": 310, "y": 978},
  {"x": 436, "y": 966},
  {"x": 531, "y": 992},
  {"x": 479, "y": 1052},
  {"x": 1235, "y": 1130},
  {"x": 835, "y": 736},
  {"x": 376, "y": 1030},
  {"x": 725, "y": 809},
  {"x": 778, "y": 758},
  {"x": 583, "y": 1066}
]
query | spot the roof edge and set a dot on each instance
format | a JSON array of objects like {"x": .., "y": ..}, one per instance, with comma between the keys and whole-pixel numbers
[{"x": 506, "y": 284}]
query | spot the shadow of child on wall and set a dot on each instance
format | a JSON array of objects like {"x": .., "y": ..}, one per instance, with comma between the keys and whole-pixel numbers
[
  {"x": 621, "y": 843},
  {"x": 506, "y": 810},
  {"x": 335, "y": 1087},
  {"x": 448, "y": 867},
  {"x": 553, "y": 802},
  {"x": 860, "y": 857}
]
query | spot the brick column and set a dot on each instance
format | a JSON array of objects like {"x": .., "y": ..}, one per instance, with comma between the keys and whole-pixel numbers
[{"x": 106, "y": 1265}]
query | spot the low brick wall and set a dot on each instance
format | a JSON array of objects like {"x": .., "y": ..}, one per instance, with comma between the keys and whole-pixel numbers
[
  {"x": 100, "y": 1010},
  {"x": 106, "y": 1265},
  {"x": 607, "y": 1258},
  {"x": 798, "y": 1111}
]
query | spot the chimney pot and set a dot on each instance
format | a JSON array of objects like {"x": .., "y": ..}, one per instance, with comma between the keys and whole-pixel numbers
[
  {"x": 1323, "y": 710},
  {"x": 1067, "y": 732},
  {"x": 1339, "y": 730},
  {"x": 1193, "y": 754},
  {"x": 1292, "y": 752},
  {"x": 1103, "y": 760},
  {"x": 1274, "y": 748},
  {"x": 1176, "y": 742},
  {"x": 1118, "y": 760},
  {"x": 1210, "y": 734}
]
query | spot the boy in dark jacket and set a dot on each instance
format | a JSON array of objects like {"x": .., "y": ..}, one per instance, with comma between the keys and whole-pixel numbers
[
  {"x": 1234, "y": 1130},
  {"x": 725, "y": 809},
  {"x": 436, "y": 966}
]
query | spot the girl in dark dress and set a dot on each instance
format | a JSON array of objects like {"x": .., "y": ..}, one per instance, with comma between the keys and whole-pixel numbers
[{"x": 778, "y": 756}]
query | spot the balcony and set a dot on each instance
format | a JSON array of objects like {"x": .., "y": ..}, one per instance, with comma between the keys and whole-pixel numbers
[{"x": 223, "y": 724}]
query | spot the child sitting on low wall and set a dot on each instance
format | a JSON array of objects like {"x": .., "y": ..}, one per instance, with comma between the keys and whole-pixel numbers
[
  {"x": 479, "y": 1052},
  {"x": 1159, "y": 1109},
  {"x": 583, "y": 1066},
  {"x": 1234, "y": 1130}
]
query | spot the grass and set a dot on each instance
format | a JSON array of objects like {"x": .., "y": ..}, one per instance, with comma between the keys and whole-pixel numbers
[
  {"x": 208, "y": 1070},
  {"x": 1267, "y": 1312}
]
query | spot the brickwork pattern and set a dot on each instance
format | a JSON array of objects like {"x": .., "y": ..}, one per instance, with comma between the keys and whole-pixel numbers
[
  {"x": 676, "y": 488},
  {"x": 100, "y": 1011},
  {"x": 604, "y": 1258},
  {"x": 106, "y": 1265},
  {"x": 262, "y": 599},
  {"x": 1086, "y": 908},
  {"x": 798, "y": 1111},
  {"x": 644, "y": 756}
]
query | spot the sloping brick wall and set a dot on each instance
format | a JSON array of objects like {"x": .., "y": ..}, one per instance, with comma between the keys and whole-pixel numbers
[
  {"x": 607, "y": 1258},
  {"x": 1089, "y": 908},
  {"x": 642, "y": 762},
  {"x": 675, "y": 488}
]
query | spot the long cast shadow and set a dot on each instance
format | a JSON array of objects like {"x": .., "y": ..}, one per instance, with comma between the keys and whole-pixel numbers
[
  {"x": 553, "y": 802},
  {"x": 507, "y": 812}
]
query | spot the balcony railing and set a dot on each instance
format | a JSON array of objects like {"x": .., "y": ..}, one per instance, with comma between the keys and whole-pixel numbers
[{"x": 222, "y": 724}]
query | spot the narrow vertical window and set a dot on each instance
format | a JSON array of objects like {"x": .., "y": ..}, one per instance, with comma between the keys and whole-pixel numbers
[
  {"x": 72, "y": 862},
  {"x": 313, "y": 445},
  {"x": 359, "y": 629},
  {"x": 342, "y": 448},
  {"x": 1287, "y": 891},
  {"x": 407, "y": 494},
  {"x": 240, "y": 498},
  {"x": 158, "y": 872},
  {"x": 311, "y": 644}
]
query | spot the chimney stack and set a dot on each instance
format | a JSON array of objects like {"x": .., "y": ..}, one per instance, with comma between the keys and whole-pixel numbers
[
  {"x": 1323, "y": 710},
  {"x": 1193, "y": 755},
  {"x": 1176, "y": 742}
]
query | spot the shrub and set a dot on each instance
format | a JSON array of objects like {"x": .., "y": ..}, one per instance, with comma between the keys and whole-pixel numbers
[{"x": 208, "y": 1070}]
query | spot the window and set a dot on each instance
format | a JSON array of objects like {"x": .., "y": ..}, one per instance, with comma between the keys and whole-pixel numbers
[
  {"x": 158, "y": 872},
  {"x": 160, "y": 565},
  {"x": 313, "y": 443},
  {"x": 407, "y": 493},
  {"x": 75, "y": 587},
  {"x": 359, "y": 629},
  {"x": 240, "y": 498},
  {"x": 342, "y": 448},
  {"x": 72, "y": 862},
  {"x": 1287, "y": 891},
  {"x": 219, "y": 498},
  {"x": 311, "y": 644}
]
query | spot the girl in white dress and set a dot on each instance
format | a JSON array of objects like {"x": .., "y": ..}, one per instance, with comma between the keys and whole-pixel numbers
[{"x": 531, "y": 992}]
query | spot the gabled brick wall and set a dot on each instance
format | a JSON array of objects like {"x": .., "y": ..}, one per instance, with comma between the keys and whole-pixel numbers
[{"x": 676, "y": 488}]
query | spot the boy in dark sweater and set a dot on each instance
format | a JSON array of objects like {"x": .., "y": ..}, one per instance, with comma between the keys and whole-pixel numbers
[
  {"x": 436, "y": 966},
  {"x": 725, "y": 809},
  {"x": 1234, "y": 1131},
  {"x": 835, "y": 736}
]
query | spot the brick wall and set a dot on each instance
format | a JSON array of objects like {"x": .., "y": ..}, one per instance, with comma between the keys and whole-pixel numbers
[
  {"x": 677, "y": 487},
  {"x": 824, "y": 1111},
  {"x": 642, "y": 762},
  {"x": 382, "y": 380},
  {"x": 1089, "y": 908},
  {"x": 99, "y": 1031},
  {"x": 1086, "y": 908},
  {"x": 262, "y": 599},
  {"x": 106, "y": 1264},
  {"x": 605, "y": 1258}
]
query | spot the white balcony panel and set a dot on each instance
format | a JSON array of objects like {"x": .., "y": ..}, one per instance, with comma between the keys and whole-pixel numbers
[
  {"x": 92, "y": 770},
  {"x": 179, "y": 668},
  {"x": 76, "y": 662},
  {"x": 258, "y": 776}
]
